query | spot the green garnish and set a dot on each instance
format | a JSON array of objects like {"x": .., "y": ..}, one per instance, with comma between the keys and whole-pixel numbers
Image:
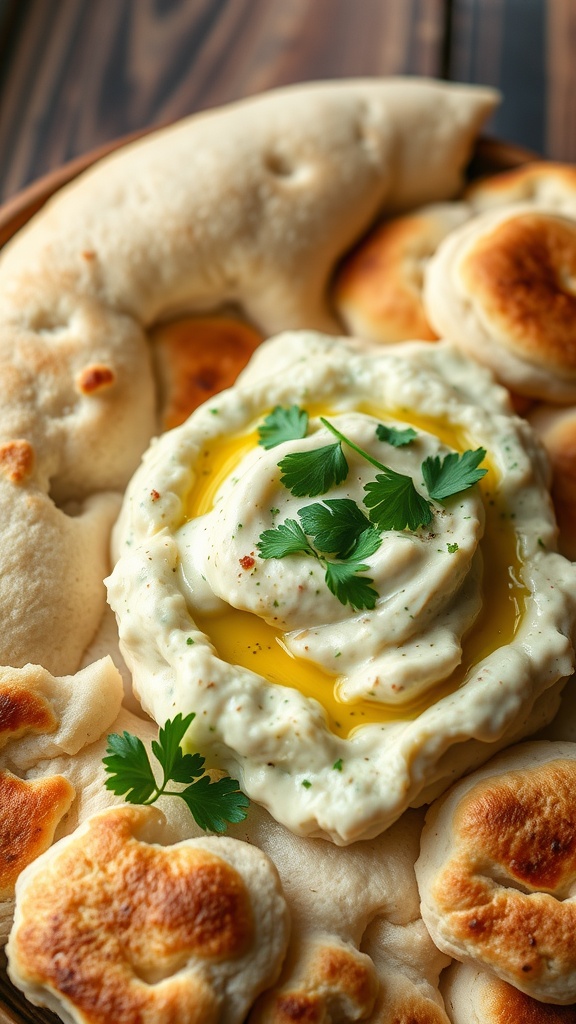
[
  {"x": 392, "y": 498},
  {"x": 213, "y": 805},
  {"x": 286, "y": 539},
  {"x": 349, "y": 545},
  {"x": 284, "y": 423},
  {"x": 452, "y": 548},
  {"x": 335, "y": 524},
  {"x": 337, "y": 766},
  {"x": 307, "y": 474},
  {"x": 395, "y": 437},
  {"x": 452, "y": 474},
  {"x": 394, "y": 503}
]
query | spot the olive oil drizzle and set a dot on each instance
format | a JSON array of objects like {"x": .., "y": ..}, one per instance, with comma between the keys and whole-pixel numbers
[{"x": 242, "y": 638}]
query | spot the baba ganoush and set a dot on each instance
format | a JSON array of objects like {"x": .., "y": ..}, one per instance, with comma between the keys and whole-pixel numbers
[{"x": 345, "y": 566}]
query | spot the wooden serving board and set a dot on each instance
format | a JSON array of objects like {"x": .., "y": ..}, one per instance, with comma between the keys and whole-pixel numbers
[{"x": 490, "y": 156}]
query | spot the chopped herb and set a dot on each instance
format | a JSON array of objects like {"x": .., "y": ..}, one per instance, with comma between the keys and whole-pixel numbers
[
  {"x": 337, "y": 766},
  {"x": 395, "y": 437},
  {"x": 336, "y": 524},
  {"x": 394, "y": 503},
  {"x": 307, "y": 474},
  {"x": 453, "y": 474},
  {"x": 212, "y": 804},
  {"x": 452, "y": 548},
  {"x": 342, "y": 581},
  {"x": 306, "y": 783},
  {"x": 285, "y": 423},
  {"x": 289, "y": 538},
  {"x": 189, "y": 641},
  {"x": 286, "y": 539}
]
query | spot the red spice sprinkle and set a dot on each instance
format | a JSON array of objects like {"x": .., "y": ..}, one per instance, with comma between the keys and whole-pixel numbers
[
  {"x": 247, "y": 562},
  {"x": 154, "y": 495}
]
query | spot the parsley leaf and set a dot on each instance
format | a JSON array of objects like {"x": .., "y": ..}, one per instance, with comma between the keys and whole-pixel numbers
[
  {"x": 395, "y": 437},
  {"x": 286, "y": 539},
  {"x": 335, "y": 525},
  {"x": 394, "y": 502},
  {"x": 177, "y": 766},
  {"x": 453, "y": 474},
  {"x": 212, "y": 804},
  {"x": 215, "y": 804},
  {"x": 307, "y": 474},
  {"x": 368, "y": 543},
  {"x": 138, "y": 784},
  {"x": 284, "y": 423},
  {"x": 349, "y": 588}
]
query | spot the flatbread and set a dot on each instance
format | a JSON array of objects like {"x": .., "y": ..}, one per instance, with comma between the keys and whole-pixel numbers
[{"x": 264, "y": 199}]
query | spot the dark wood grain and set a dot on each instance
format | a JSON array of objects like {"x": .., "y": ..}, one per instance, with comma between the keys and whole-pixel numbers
[
  {"x": 503, "y": 43},
  {"x": 83, "y": 72},
  {"x": 75, "y": 74},
  {"x": 561, "y": 74},
  {"x": 14, "y": 1009}
]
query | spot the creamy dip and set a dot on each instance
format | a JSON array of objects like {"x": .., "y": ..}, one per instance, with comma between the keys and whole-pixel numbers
[{"x": 337, "y": 717}]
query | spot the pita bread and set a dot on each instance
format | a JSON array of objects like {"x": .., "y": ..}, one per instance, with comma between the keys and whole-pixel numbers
[
  {"x": 191, "y": 933},
  {"x": 265, "y": 198},
  {"x": 497, "y": 869}
]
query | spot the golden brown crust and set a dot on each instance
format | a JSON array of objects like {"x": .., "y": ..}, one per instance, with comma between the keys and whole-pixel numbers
[
  {"x": 94, "y": 378},
  {"x": 154, "y": 911},
  {"x": 553, "y": 183},
  {"x": 146, "y": 932},
  {"x": 16, "y": 460},
  {"x": 377, "y": 291},
  {"x": 523, "y": 276},
  {"x": 524, "y": 822},
  {"x": 509, "y": 1006},
  {"x": 23, "y": 710},
  {"x": 30, "y": 813},
  {"x": 44, "y": 721},
  {"x": 474, "y": 996},
  {"x": 197, "y": 357},
  {"x": 334, "y": 975},
  {"x": 412, "y": 1009},
  {"x": 372, "y": 279},
  {"x": 523, "y": 827},
  {"x": 498, "y": 865}
]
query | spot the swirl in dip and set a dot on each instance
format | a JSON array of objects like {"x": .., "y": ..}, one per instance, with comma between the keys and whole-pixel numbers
[{"x": 338, "y": 715}]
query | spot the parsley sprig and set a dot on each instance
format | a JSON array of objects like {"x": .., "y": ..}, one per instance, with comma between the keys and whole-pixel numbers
[
  {"x": 213, "y": 805},
  {"x": 336, "y": 532},
  {"x": 392, "y": 499},
  {"x": 338, "y": 528}
]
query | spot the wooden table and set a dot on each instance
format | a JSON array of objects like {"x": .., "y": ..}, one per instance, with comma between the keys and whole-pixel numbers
[{"x": 75, "y": 74}]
